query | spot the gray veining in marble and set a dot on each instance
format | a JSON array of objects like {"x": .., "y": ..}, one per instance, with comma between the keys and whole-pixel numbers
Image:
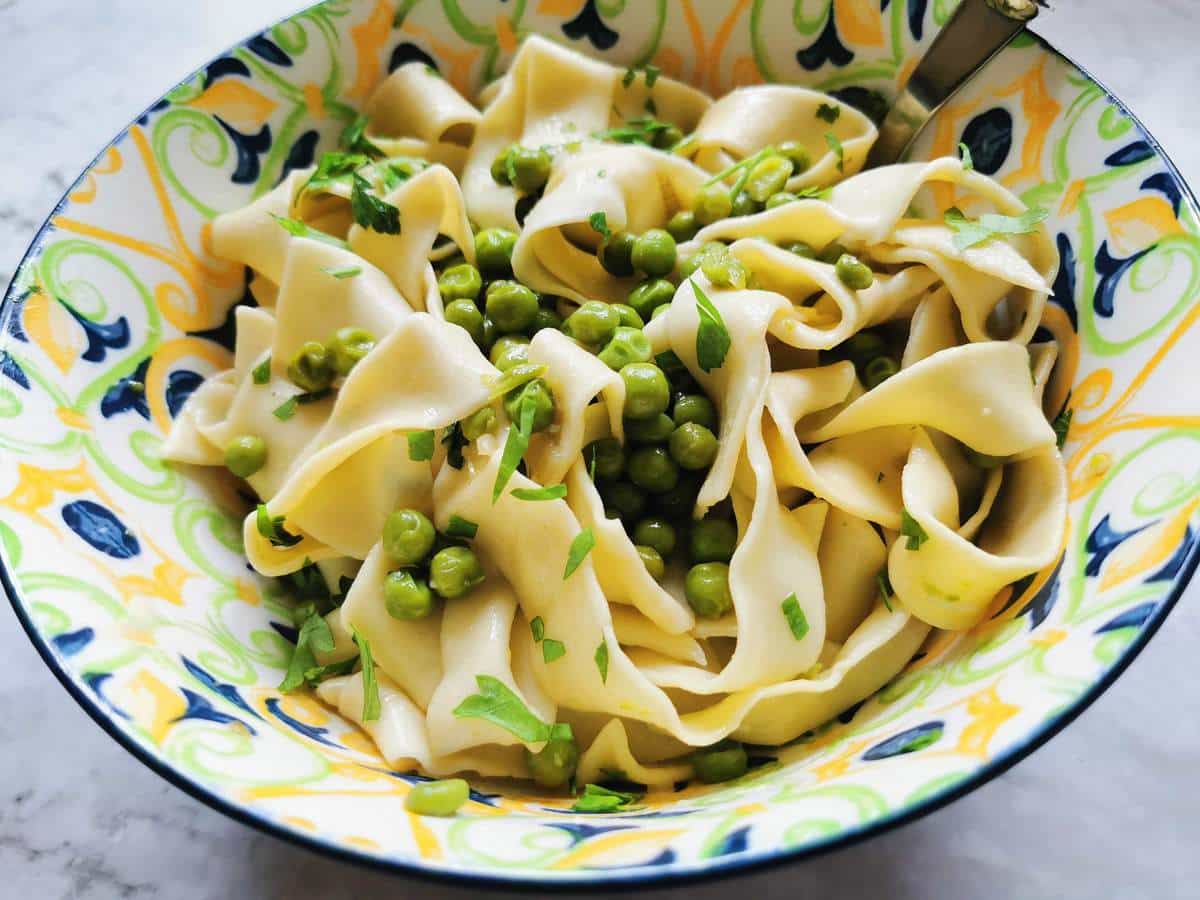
[{"x": 1107, "y": 809}]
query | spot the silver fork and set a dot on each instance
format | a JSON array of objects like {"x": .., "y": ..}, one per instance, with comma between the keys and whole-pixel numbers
[{"x": 977, "y": 31}]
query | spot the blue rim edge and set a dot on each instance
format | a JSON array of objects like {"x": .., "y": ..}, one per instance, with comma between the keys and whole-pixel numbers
[{"x": 594, "y": 880}]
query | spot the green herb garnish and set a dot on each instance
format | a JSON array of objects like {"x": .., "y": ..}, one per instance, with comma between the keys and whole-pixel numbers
[
  {"x": 335, "y": 168},
  {"x": 515, "y": 445},
  {"x": 455, "y": 441},
  {"x": 459, "y": 527},
  {"x": 601, "y": 658},
  {"x": 580, "y": 548},
  {"x": 885, "y": 588},
  {"x": 552, "y": 492},
  {"x": 370, "y": 211},
  {"x": 596, "y": 799},
  {"x": 797, "y": 621},
  {"x": 371, "y": 704},
  {"x": 599, "y": 223},
  {"x": 520, "y": 374},
  {"x": 261, "y": 374},
  {"x": 538, "y": 628},
  {"x": 712, "y": 337},
  {"x": 970, "y": 232},
  {"x": 839, "y": 151},
  {"x": 314, "y": 635},
  {"x": 341, "y": 273},
  {"x": 1062, "y": 426},
  {"x": 272, "y": 528},
  {"x": 285, "y": 410},
  {"x": 496, "y": 703},
  {"x": 829, "y": 112},
  {"x": 965, "y": 153},
  {"x": 299, "y": 229},
  {"x": 911, "y": 529},
  {"x": 552, "y": 650},
  {"x": 420, "y": 446},
  {"x": 354, "y": 139}
]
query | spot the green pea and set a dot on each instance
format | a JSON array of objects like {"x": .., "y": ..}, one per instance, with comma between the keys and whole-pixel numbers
[
  {"x": 593, "y": 323},
  {"x": 500, "y": 165},
  {"x": 466, "y": 315},
  {"x": 831, "y": 253},
  {"x": 628, "y": 345},
  {"x": 863, "y": 347},
  {"x": 657, "y": 533},
  {"x": 509, "y": 351},
  {"x": 797, "y": 154},
  {"x": 768, "y": 177},
  {"x": 723, "y": 762},
  {"x": 437, "y": 798},
  {"x": 511, "y": 305},
  {"x": 647, "y": 392},
  {"x": 724, "y": 270},
  {"x": 655, "y": 430},
  {"x": 693, "y": 446},
  {"x": 622, "y": 500},
  {"x": 695, "y": 408},
  {"x": 478, "y": 423},
  {"x": 708, "y": 250},
  {"x": 678, "y": 504},
  {"x": 712, "y": 204},
  {"x": 540, "y": 395},
  {"x": 348, "y": 347},
  {"x": 652, "y": 560},
  {"x": 493, "y": 252},
  {"x": 629, "y": 316},
  {"x": 311, "y": 368},
  {"x": 659, "y": 311},
  {"x": 489, "y": 334},
  {"x": 707, "y": 590},
  {"x": 983, "y": 460},
  {"x": 879, "y": 370},
  {"x": 454, "y": 572},
  {"x": 654, "y": 252},
  {"x": 712, "y": 541},
  {"x": 780, "y": 198},
  {"x": 407, "y": 598},
  {"x": 801, "y": 249},
  {"x": 554, "y": 765},
  {"x": 852, "y": 273},
  {"x": 461, "y": 282},
  {"x": 744, "y": 205},
  {"x": 245, "y": 455},
  {"x": 653, "y": 469},
  {"x": 529, "y": 168},
  {"x": 546, "y": 318},
  {"x": 608, "y": 456},
  {"x": 668, "y": 137},
  {"x": 408, "y": 537},
  {"x": 650, "y": 295},
  {"x": 616, "y": 254},
  {"x": 683, "y": 226}
]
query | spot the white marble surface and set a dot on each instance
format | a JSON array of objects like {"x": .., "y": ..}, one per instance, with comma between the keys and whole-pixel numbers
[{"x": 1107, "y": 809}]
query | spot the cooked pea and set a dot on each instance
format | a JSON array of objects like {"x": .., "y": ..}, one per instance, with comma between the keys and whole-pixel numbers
[
  {"x": 650, "y": 295},
  {"x": 712, "y": 204},
  {"x": 508, "y": 351},
  {"x": 780, "y": 198},
  {"x": 622, "y": 500},
  {"x": 724, "y": 270},
  {"x": 628, "y": 345},
  {"x": 311, "y": 368},
  {"x": 654, "y": 252},
  {"x": 511, "y": 305},
  {"x": 554, "y": 765},
  {"x": 493, "y": 252},
  {"x": 693, "y": 446},
  {"x": 657, "y": 533},
  {"x": 408, "y": 537},
  {"x": 744, "y": 205},
  {"x": 437, "y": 798},
  {"x": 852, "y": 273},
  {"x": 695, "y": 408},
  {"x": 723, "y": 762},
  {"x": 800, "y": 248},
  {"x": 629, "y": 316},
  {"x": 594, "y": 323},
  {"x": 683, "y": 226},
  {"x": 831, "y": 253},
  {"x": 668, "y": 137},
  {"x": 712, "y": 541},
  {"x": 489, "y": 334},
  {"x": 647, "y": 392},
  {"x": 653, "y": 561},
  {"x": 406, "y": 597},
  {"x": 653, "y": 469},
  {"x": 608, "y": 456},
  {"x": 500, "y": 165},
  {"x": 708, "y": 250},
  {"x": 864, "y": 347},
  {"x": 545, "y": 318},
  {"x": 530, "y": 168},
  {"x": 543, "y": 403},
  {"x": 768, "y": 177},
  {"x": 655, "y": 430},
  {"x": 466, "y": 315},
  {"x": 707, "y": 589},
  {"x": 879, "y": 370},
  {"x": 797, "y": 154},
  {"x": 461, "y": 282},
  {"x": 455, "y": 571},
  {"x": 616, "y": 254},
  {"x": 245, "y": 455},
  {"x": 478, "y": 423},
  {"x": 678, "y": 504},
  {"x": 659, "y": 311},
  {"x": 348, "y": 346}
]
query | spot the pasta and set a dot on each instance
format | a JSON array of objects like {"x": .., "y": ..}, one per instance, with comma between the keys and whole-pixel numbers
[{"x": 607, "y": 429}]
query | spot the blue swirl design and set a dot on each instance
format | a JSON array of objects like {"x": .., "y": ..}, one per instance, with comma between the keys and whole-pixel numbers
[
  {"x": 302, "y": 153},
  {"x": 665, "y": 858},
  {"x": 1110, "y": 270},
  {"x": 12, "y": 370},
  {"x": 124, "y": 396},
  {"x": 1172, "y": 566},
  {"x": 737, "y": 841},
  {"x": 916, "y": 17},
  {"x": 1138, "y": 151},
  {"x": 181, "y": 384},
  {"x": 265, "y": 48},
  {"x": 1131, "y": 618},
  {"x": 1103, "y": 540},
  {"x": 225, "y": 67},
  {"x": 199, "y": 708},
  {"x": 581, "y": 832},
  {"x": 100, "y": 528},
  {"x": 13, "y": 323},
  {"x": 73, "y": 642},
  {"x": 101, "y": 337},
  {"x": 989, "y": 136},
  {"x": 249, "y": 148},
  {"x": 96, "y": 682},
  {"x": 1063, "y": 293},
  {"x": 309, "y": 731},
  {"x": 828, "y": 47},
  {"x": 225, "y": 691},
  {"x": 588, "y": 24},
  {"x": 1167, "y": 186},
  {"x": 409, "y": 52},
  {"x": 908, "y": 741}
]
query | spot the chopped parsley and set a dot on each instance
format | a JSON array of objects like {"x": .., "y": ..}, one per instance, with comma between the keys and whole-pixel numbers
[
  {"x": 580, "y": 548},
  {"x": 601, "y": 658},
  {"x": 911, "y": 529},
  {"x": 496, "y": 703},
  {"x": 838, "y": 150},
  {"x": 552, "y": 650},
  {"x": 299, "y": 229},
  {"x": 538, "y": 628},
  {"x": 354, "y": 139},
  {"x": 420, "y": 446},
  {"x": 520, "y": 374},
  {"x": 551, "y": 492},
  {"x": 970, "y": 232},
  {"x": 455, "y": 441},
  {"x": 459, "y": 527},
  {"x": 1062, "y": 426},
  {"x": 641, "y": 130},
  {"x": 371, "y": 704},
  {"x": 341, "y": 273},
  {"x": 515, "y": 445},
  {"x": 652, "y": 72},
  {"x": 272, "y": 528},
  {"x": 712, "y": 337},
  {"x": 964, "y": 153},
  {"x": 596, "y": 799},
  {"x": 599, "y": 223},
  {"x": 261, "y": 374},
  {"x": 885, "y": 588},
  {"x": 314, "y": 635},
  {"x": 370, "y": 211},
  {"x": 335, "y": 168},
  {"x": 285, "y": 410},
  {"x": 797, "y": 621},
  {"x": 829, "y": 112}
]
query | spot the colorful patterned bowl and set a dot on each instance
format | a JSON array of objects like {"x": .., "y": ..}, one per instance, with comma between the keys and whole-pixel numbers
[{"x": 130, "y": 578}]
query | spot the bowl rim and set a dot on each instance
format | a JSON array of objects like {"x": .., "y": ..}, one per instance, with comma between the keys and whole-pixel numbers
[{"x": 592, "y": 880}]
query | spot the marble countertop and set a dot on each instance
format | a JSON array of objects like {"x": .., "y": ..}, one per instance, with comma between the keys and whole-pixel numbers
[{"x": 1106, "y": 809}]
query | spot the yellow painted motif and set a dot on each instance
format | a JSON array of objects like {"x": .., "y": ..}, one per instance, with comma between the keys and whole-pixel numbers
[
  {"x": 618, "y": 848},
  {"x": 89, "y": 189},
  {"x": 237, "y": 103},
  {"x": 1040, "y": 111},
  {"x": 153, "y": 705},
  {"x": 165, "y": 359},
  {"x": 1137, "y": 225},
  {"x": 427, "y": 843},
  {"x": 54, "y": 330},
  {"x": 988, "y": 715},
  {"x": 859, "y": 21},
  {"x": 73, "y": 419},
  {"x": 369, "y": 40},
  {"x": 1148, "y": 549}
]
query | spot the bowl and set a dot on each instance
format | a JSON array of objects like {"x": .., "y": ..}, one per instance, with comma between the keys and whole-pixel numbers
[{"x": 129, "y": 575}]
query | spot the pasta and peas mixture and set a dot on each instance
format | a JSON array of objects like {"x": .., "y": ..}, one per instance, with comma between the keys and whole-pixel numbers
[{"x": 611, "y": 429}]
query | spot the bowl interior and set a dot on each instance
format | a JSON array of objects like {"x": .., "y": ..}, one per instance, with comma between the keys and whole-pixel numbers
[{"x": 130, "y": 576}]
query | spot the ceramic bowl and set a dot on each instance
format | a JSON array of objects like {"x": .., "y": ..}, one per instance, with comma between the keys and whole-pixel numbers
[{"x": 130, "y": 579}]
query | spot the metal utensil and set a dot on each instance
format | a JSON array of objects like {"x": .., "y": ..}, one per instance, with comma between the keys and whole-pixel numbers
[{"x": 976, "y": 32}]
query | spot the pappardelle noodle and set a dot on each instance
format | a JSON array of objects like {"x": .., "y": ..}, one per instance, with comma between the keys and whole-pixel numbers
[{"x": 610, "y": 429}]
